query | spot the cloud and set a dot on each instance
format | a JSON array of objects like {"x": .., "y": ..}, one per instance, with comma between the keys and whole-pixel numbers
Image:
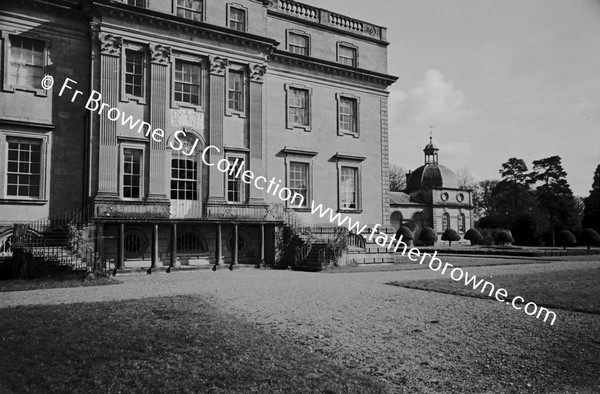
[
  {"x": 434, "y": 101},
  {"x": 584, "y": 109}
]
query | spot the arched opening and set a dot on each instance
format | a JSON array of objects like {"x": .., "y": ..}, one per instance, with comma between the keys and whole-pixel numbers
[
  {"x": 445, "y": 221},
  {"x": 461, "y": 223}
]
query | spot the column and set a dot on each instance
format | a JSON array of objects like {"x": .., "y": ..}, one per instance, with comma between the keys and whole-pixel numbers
[
  {"x": 257, "y": 72},
  {"x": 218, "y": 247},
  {"x": 121, "y": 246},
  {"x": 235, "y": 245},
  {"x": 159, "y": 102},
  {"x": 262, "y": 245},
  {"x": 110, "y": 64},
  {"x": 218, "y": 69},
  {"x": 100, "y": 241},
  {"x": 173, "y": 245},
  {"x": 154, "y": 245}
]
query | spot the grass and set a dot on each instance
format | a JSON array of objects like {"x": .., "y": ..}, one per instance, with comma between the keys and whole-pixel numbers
[
  {"x": 174, "y": 344},
  {"x": 575, "y": 290},
  {"x": 54, "y": 283}
]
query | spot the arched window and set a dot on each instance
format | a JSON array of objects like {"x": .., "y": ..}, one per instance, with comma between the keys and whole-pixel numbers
[
  {"x": 191, "y": 242},
  {"x": 461, "y": 223},
  {"x": 445, "y": 221},
  {"x": 396, "y": 220},
  {"x": 242, "y": 241},
  {"x": 135, "y": 244}
]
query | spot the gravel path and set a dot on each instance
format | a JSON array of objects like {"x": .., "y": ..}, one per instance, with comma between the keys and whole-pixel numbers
[{"x": 417, "y": 341}]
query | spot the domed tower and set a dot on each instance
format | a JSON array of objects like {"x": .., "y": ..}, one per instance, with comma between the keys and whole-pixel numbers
[{"x": 432, "y": 174}]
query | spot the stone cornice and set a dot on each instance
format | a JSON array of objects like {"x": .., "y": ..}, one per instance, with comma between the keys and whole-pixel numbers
[
  {"x": 175, "y": 23},
  {"x": 332, "y": 68}
]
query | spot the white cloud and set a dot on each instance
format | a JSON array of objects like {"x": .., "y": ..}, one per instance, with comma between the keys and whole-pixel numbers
[{"x": 434, "y": 101}]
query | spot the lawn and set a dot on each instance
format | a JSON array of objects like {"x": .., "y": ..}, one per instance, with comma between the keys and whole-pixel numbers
[
  {"x": 575, "y": 290},
  {"x": 172, "y": 344}
]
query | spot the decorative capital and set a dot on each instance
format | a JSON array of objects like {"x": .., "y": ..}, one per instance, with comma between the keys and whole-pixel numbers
[
  {"x": 218, "y": 65},
  {"x": 110, "y": 45},
  {"x": 257, "y": 72},
  {"x": 160, "y": 54}
]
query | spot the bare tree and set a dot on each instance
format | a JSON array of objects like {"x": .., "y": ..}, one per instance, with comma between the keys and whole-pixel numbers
[
  {"x": 465, "y": 178},
  {"x": 397, "y": 178}
]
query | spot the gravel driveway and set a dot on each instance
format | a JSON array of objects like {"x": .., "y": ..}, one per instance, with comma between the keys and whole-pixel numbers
[{"x": 415, "y": 340}]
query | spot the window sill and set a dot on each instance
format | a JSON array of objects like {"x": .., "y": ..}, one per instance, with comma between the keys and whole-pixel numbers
[
  {"x": 349, "y": 210},
  {"x": 182, "y": 105},
  {"x": 29, "y": 89},
  {"x": 300, "y": 209},
  {"x": 139, "y": 100},
  {"x": 18, "y": 201},
  {"x": 297, "y": 126},
  {"x": 239, "y": 114},
  {"x": 344, "y": 132}
]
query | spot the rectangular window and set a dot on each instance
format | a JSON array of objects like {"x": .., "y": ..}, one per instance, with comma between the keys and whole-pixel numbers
[
  {"x": 187, "y": 82},
  {"x": 190, "y": 9},
  {"x": 184, "y": 179},
  {"x": 132, "y": 173},
  {"x": 298, "y": 43},
  {"x": 134, "y": 73},
  {"x": 298, "y": 184},
  {"x": 237, "y": 19},
  {"x": 347, "y": 114},
  {"x": 24, "y": 167},
  {"x": 235, "y": 187},
  {"x": 138, "y": 3},
  {"x": 347, "y": 55},
  {"x": 298, "y": 107},
  {"x": 349, "y": 188},
  {"x": 235, "y": 91},
  {"x": 27, "y": 62}
]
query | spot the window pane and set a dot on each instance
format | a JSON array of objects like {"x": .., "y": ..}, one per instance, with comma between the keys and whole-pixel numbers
[
  {"x": 349, "y": 188},
  {"x": 134, "y": 73},
  {"x": 187, "y": 82},
  {"x": 23, "y": 172},
  {"x": 132, "y": 173},
  {"x": 235, "y": 189},
  {"x": 299, "y": 183},
  {"x": 237, "y": 19},
  {"x": 27, "y": 62},
  {"x": 347, "y": 115},
  {"x": 298, "y": 107},
  {"x": 235, "y": 96}
]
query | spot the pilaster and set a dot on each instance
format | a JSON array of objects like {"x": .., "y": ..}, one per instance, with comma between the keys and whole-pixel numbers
[
  {"x": 257, "y": 72},
  {"x": 218, "y": 69}
]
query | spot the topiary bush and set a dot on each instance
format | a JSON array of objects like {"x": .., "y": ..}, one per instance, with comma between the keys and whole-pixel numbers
[
  {"x": 428, "y": 236},
  {"x": 406, "y": 234},
  {"x": 589, "y": 237},
  {"x": 411, "y": 225},
  {"x": 503, "y": 237},
  {"x": 566, "y": 238},
  {"x": 474, "y": 236},
  {"x": 450, "y": 235}
]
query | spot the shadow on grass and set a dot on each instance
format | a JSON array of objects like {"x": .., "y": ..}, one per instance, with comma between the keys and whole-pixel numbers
[
  {"x": 54, "y": 283},
  {"x": 174, "y": 344},
  {"x": 575, "y": 290}
]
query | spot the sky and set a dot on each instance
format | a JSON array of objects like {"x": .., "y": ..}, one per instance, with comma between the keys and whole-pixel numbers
[{"x": 496, "y": 78}]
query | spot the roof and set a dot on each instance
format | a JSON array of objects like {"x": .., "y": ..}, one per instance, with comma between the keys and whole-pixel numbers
[{"x": 431, "y": 176}]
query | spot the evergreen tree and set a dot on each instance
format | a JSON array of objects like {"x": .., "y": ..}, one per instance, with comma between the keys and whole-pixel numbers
[
  {"x": 591, "y": 211},
  {"x": 554, "y": 193},
  {"x": 515, "y": 176}
]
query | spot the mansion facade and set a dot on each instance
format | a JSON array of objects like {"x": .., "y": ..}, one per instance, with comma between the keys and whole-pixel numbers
[{"x": 293, "y": 93}]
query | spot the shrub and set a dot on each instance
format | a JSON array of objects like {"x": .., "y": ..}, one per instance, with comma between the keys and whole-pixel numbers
[
  {"x": 428, "y": 236},
  {"x": 474, "y": 236},
  {"x": 411, "y": 225},
  {"x": 566, "y": 238},
  {"x": 406, "y": 234},
  {"x": 450, "y": 235},
  {"x": 503, "y": 237},
  {"x": 525, "y": 230},
  {"x": 589, "y": 237}
]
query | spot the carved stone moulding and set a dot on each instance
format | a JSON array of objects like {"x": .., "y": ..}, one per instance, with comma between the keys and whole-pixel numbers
[{"x": 110, "y": 44}]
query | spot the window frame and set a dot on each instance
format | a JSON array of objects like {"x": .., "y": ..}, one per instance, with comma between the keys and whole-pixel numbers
[
  {"x": 345, "y": 160},
  {"x": 126, "y": 97},
  {"x": 340, "y": 97},
  {"x": 202, "y": 11},
  {"x": 7, "y": 85},
  {"x": 177, "y": 155},
  {"x": 289, "y": 33},
  {"x": 237, "y": 7},
  {"x": 342, "y": 44},
  {"x": 446, "y": 221},
  {"x": 242, "y": 185},
  {"x": 144, "y": 5},
  {"x": 239, "y": 69},
  {"x": 132, "y": 146},
  {"x": 45, "y": 143},
  {"x": 202, "y": 86},
  {"x": 289, "y": 119},
  {"x": 462, "y": 223}
]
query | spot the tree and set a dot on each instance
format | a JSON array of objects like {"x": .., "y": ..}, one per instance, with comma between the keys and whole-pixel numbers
[
  {"x": 483, "y": 200},
  {"x": 554, "y": 194},
  {"x": 525, "y": 230},
  {"x": 566, "y": 238},
  {"x": 514, "y": 173},
  {"x": 474, "y": 236},
  {"x": 591, "y": 210},
  {"x": 503, "y": 238},
  {"x": 450, "y": 235},
  {"x": 589, "y": 237},
  {"x": 465, "y": 179},
  {"x": 428, "y": 236},
  {"x": 397, "y": 178}
]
